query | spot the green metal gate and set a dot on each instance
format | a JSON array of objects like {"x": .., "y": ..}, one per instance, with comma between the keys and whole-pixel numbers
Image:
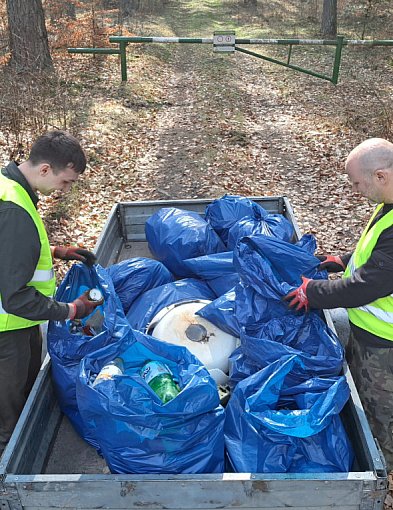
[{"x": 227, "y": 42}]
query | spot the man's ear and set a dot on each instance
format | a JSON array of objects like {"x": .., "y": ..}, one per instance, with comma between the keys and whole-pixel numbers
[
  {"x": 44, "y": 169},
  {"x": 383, "y": 177}
]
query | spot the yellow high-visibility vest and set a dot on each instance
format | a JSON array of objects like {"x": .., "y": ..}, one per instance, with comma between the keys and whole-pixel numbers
[
  {"x": 375, "y": 317},
  {"x": 43, "y": 278}
]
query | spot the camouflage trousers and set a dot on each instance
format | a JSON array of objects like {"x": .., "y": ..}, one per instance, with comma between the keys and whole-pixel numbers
[{"x": 372, "y": 370}]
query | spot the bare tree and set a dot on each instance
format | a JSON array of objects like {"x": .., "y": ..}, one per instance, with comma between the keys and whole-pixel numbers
[
  {"x": 329, "y": 19},
  {"x": 28, "y": 37},
  {"x": 60, "y": 9},
  {"x": 129, "y": 7}
]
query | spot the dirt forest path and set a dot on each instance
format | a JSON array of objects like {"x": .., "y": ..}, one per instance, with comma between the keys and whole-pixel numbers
[
  {"x": 230, "y": 124},
  {"x": 191, "y": 123}
]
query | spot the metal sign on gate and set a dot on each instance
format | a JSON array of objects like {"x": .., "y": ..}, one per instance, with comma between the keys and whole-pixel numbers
[{"x": 224, "y": 41}]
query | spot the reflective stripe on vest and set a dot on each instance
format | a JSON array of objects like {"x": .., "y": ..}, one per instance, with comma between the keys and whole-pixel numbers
[
  {"x": 375, "y": 317},
  {"x": 43, "y": 275},
  {"x": 378, "y": 312},
  {"x": 43, "y": 279}
]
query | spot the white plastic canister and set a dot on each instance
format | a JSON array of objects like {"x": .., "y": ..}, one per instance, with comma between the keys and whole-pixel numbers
[{"x": 179, "y": 324}]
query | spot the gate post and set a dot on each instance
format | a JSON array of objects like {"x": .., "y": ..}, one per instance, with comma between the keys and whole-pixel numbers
[
  {"x": 337, "y": 59},
  {"x": 123, "y": 60}
]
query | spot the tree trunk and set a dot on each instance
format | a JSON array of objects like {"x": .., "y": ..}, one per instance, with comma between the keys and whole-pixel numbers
[
  {"x": 329, "y": 19},
  {"x": 128, "y": 7},
  {"x": 70, "y": 10},
  {"x": 28, "y": 37},
  {"x": 60, "y": 9}
]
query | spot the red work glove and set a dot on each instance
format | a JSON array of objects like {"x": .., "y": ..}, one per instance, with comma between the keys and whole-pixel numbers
[
  {"x": 299, "y": 296},
  {"x": 74, "y": 253},
  {"x": 82, "y": 306},
  {"x": 332, "y": 263}
]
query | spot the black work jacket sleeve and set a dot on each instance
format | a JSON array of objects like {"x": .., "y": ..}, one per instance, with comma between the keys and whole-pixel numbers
[
  {"x": 346, "y": 258},
  {"x": 19, "y": 254},
  {"x": 371, "y": 281}
]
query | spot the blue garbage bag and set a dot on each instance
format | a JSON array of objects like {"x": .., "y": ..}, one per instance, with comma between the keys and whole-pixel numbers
[
  {"x": 67, "y": 349},
  {"x": 175, "y": 235},
  {"x": 240, "y": 367},
  {"x": 308, "y": 243},
  {"x": 221, "y": 313},
  {"x": 272, "y": 430},
  {"x": 252, "y": 308},
  {"x": 136, "y": 432},
  {"x": 133, "y": 277},
  {"x": 269, "y": 269},
  {"x": 211, "y": 266},
  {"x": 281, "y": 262},
  {"x": 223, "y": 284},
  {"x": 306, "y": 336},
  {"x": 216, "y": 269},
  {"x": 146, "y": 307},
  {"x": 224, "y": 212},
  {"x": 272, "y": 225}
]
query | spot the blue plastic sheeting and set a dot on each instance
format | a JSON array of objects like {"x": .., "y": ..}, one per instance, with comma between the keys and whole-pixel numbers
[
  {"x": 175, "y": 235},
  {"x": 144, "y": 309},
  {"x": 224, "y": 212},
  {"x": 296, "y": 430},
  {"x": 306, "y": 336},
  {"x": 221, "y": 313},
  {"x": 67, "y": 349},
  {"x": 135, "y": 431},
  {"x": 217, "y": 270},
  {"x": 133, "y": 277},
  {"x": 272, "y": 225}
]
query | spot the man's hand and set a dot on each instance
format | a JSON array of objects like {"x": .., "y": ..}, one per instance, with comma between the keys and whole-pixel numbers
[
  {"x": 82, "y": 306},
  {"x": 74, "y": 253},
  {"x": 298, "y": 296},
  {"x": 332, "y": 263}
]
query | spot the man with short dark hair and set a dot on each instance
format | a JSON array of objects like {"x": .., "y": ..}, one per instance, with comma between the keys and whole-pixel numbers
[
  {"x": 366, "y": 289},
  {"x": 27, "y": 281}
]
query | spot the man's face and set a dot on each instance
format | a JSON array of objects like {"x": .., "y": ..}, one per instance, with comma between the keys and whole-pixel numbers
[
  {"x": 50, "y": 181},
  {"x": 363, "y": 183}
]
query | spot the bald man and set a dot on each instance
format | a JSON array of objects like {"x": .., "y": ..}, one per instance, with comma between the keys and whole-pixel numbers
[{"x": 366, "y": 289}]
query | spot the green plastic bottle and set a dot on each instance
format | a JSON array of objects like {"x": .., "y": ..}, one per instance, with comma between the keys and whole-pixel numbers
[{"x": 160, "y": 379}]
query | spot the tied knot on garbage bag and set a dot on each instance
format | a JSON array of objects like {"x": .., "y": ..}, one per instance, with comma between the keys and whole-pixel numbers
[{"x": 234, "y": 217}]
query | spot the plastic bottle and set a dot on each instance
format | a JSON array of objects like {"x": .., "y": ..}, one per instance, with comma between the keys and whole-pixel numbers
[
  {"x": 160, "y": 379},
  {"x": 115, "y": 367}
]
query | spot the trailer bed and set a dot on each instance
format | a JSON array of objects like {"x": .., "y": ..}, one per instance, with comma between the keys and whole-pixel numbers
[{"x": 47, "y": 465}]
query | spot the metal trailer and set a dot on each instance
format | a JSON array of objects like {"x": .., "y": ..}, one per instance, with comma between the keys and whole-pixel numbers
[{"x": 46, "y": 465}]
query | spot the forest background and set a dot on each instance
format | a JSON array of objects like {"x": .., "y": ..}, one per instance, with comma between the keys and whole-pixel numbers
[{"x": 190, "y": 123}]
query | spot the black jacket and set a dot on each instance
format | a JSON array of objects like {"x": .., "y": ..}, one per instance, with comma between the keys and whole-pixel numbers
[
  {"x": 371, "y": 281},
  {"x": 19, "y": 253}
]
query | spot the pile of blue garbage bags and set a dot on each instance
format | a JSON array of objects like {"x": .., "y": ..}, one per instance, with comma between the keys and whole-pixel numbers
[{"x": 286, "y": 384}]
